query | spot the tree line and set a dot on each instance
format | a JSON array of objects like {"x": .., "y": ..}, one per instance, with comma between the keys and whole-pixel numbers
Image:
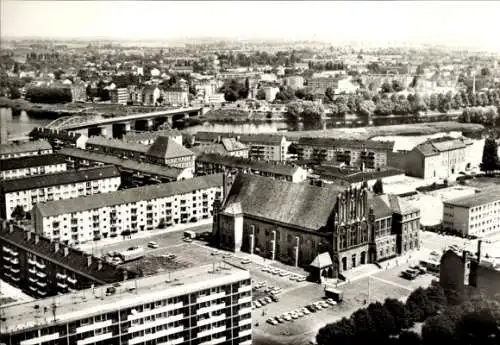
[
  {"x": 483, "y": 115},
  {"x": 446, "y": 320}
]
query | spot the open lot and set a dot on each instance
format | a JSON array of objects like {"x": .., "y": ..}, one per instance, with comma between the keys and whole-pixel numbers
[{"x": 10, "y": 294}]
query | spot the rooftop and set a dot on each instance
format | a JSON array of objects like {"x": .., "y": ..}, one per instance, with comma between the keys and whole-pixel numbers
[
  {"x": 31, "y": 161},
  {"x": 61, "y": 178},
  {"x": 76, "y": 260},
  {"x": 117, "y": 144},
  {"x": 246, "y": 163},
  {"x": 42, "y": 132},
  {"x": 354, "y": 175},
  {"x": 28, "y": 146},
  {"x": 127, "y": 164},
  {"x": 162, "y": 190},
  {"x": 435, "y": 146},
  {"x": 226, "y": 146},
  {"x": 166, "y": 148},
  {"x": 386, "y": 204},
  {"x": 347, "y": 143},
  {"x": 299, "y": 204},
  {"x": 135, "y": 137},
  {"x": 85, "y": 303},
  {"x": 477, "y": 199},
  {"x": 269, "y": 139}
]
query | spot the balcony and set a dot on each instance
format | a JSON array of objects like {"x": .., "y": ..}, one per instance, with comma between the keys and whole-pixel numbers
[
  {"x": 211, "y": 297},
  {"x": 14, "y": 261},
  {"x": 214, "y": 341},
  {"x": 32, "y": 271},
  {"x": 15, "y": 270},
  {"x": 245, "y": 288},
  {"x": 245, "y": 332},
  {"x": 212, "y": 319},
  {"x": 31, "y": 262},
  {"x": 62, "y": 285},
  {"x": 244, "y": 311},
  {"x": 41, "y": 284},
  {"x": 211, "y": 331},
  {"x": 61, "y": 276},
  {"x": 40, "y": 265},
  {"x": 245, "y": 322},
  {"x": 247, "y": 299},
  {"x": 71, "y": 280},
  {"x": 6, "y": 266},
  {"x": 211, "y": 308},
  {"x": 33, "y": 280},
  {"x": 41, "y": 274}
]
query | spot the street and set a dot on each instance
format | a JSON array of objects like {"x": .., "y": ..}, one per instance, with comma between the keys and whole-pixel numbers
[{"x": 435, "y": 242}]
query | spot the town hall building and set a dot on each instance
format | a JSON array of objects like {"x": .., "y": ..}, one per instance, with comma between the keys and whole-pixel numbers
[{"x": 296, "y": 222}]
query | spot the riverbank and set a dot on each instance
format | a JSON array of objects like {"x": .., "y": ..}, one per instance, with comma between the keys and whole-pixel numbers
[{"x": 365, "y": 133}]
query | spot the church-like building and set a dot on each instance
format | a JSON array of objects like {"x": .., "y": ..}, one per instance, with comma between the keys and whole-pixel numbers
[{"x": 331, "y": 228}]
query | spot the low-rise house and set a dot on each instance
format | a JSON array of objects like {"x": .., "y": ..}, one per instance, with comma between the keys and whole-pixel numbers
[
  {"x": 30, "y": 148},
  {"x": 167, "y": 151},
  {"x": 42, "y": 267},
  {"x": 128, "y": 211},
  {"x": 28, "y": 191},
  {"x": 207, "y": 164},
  {"x": 32, "y": 165},
  {"x": 59, "y": 138}
]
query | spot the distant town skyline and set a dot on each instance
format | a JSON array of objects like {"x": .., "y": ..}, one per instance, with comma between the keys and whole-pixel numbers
[{"x": 461, "y": 24}]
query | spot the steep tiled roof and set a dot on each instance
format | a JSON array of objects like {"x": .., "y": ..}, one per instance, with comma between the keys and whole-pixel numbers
[
  {"x": 127, "y": 164},
  {"x": 230, "y": 144},
  {"x": 435, "y": 146},
  {"x": 346, "y": 143},
  {"x": 166, "y": 147},
  {"x": 117, "y": 144},
  {"x": 227, "y": 146},
  {"x": 387, "y": 204},
  {"x": 31, "y": 161},
  {"x": 302, "y": 205},
  {"x": 25, "y": 147},
  {"x": 322, "y": 260},
  {"x": 75, "y": 260},
  {"x": 161, "y": 190},
  {"x": 62, "y": 178},
  {"x": 245, "y": 163}
]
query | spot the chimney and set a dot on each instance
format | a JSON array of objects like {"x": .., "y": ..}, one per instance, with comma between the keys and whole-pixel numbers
[
  {"x": 99, "y": 265},
  {"x": 125, "y": 275},
  {"x": 89, "y": 260},
  {"x": 56, "y": 247},
  {"x": 66, "y": 251},
  {"x": 479, "y": 243},
  {"x": 37, "y": 238}
]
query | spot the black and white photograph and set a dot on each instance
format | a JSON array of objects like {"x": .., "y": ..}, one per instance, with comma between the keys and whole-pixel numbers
[{"x": 249, "y": 172}]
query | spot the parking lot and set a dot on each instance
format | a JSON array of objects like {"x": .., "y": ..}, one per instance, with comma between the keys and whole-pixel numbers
[{"x": 378, "y": 287}]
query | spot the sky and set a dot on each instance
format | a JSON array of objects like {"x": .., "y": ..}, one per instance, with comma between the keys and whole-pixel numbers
[{"x": 456, "y": 23}]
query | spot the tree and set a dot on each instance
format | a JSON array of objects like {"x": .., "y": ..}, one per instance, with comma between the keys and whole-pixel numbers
[
  {"x": 383, "y": 320},
  {"x": 478, "y": 328},
  {"x": 419, "y": 305},
  {"x": 18, "y": 213},
  {"x": 409, "y": 338},
  {"x": 386, "y": 87},
  {"x": 397, "y": 86},
  {"x": 261, "y": 95},
  {"x": 339, "y": 333},
  {"x": 366, "y": 108},
  {"x": 58, "y": 73},
  {"x": 364, "y": 325},
  {"x": 329, "y": 93},
  {"x": 293, "y": 112},
  {"x": 438, "y": 330},
  {"x": 490, "y": 156},
  {"x": 399, "y": 312},
  {"x": 162, "y": 224},
  {"x": 378, "y": 187}
]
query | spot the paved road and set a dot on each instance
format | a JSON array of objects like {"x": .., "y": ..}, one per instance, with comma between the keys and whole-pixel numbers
[
  {"x": 164, "y": 240},
  {"x": 435, "y": 242}
]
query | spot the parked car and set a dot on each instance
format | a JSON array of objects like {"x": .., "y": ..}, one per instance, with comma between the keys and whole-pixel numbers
[
  {"x": 272, "y": 321},
  {"x": 275, "y": 298},
  {"x": 305, "y": 311},
  {"x": 331, "y": 301},
  {"x": 188, "y": 239},
  {"x": 153, "y": 245},
  {"x": 246, "y": 261}
]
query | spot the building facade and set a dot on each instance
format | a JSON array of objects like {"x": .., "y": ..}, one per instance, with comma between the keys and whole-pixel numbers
[
  {"x": 43, "y": 268},
  {"x": 32, "y": 165},
  {"x": 177, "y": 96},
  {"x": 294, "y": 223},
  {"x": 148, "y": 138},
  {"x": 59, "y": 138},
  {"x": 438, "y": 158},
  {"x": 165, "y": 150},
  {"x": 30, "y": 148},
  {"x": 473, "y": 215},
  {"x": 208, "y": 164},
  {"x": 28, "y": 191},
  {"x": 223, "y": 146},
  {"x": 201, "y": 307},
  {"x": 128, "y": 211},
  {"x": 119, "y": 96},
  {"x": 369, "y": 155}
]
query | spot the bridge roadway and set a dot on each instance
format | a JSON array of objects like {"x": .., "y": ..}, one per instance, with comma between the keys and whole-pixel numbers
[{"x": 127, "y": 118}]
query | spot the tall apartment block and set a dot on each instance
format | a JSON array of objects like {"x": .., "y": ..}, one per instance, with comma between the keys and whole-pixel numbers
[
  {"x": 205, "y": 305},
  {"x": 28, "y": 191}
]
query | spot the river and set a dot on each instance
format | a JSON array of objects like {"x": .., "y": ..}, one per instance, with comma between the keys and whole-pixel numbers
[{"x": 20, "y": 124}]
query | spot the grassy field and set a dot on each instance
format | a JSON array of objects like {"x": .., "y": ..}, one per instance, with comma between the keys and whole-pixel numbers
[{"x": 364, "y": 133}]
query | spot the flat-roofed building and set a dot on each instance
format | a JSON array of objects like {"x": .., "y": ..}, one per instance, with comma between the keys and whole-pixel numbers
[
  {"x": 28, "y": 191},
  {"x": 213, "y": 164},
  {"x": 473, "y": 215},
  {"x": 355, "y": 177},
  {"x": 42, "y": 267},
  {"x": 129, "y": 211},
  {"x": 59, "y": 138},
  {"x": 132, "y": 172},
  {"x": 32, "y": 165},
  {"x": 29, "y": 148},
  {"x": 364, "y": 154},
  {"x": 119, "y": 96},
  {"x": 200, "y": 305}
]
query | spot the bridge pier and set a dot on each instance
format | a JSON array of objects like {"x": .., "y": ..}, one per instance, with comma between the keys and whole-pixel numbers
[
  {"x": 120, "y": 129},
  {"x": 144, "y": 125}
]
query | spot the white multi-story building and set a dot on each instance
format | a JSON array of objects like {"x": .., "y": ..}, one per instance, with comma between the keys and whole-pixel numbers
[
  {"x": 128, "y": 211},
  {"x": 295, "y": 82},
  {"x": 28, "y": 191},
  {"x": 30, "y": 148},
  {"x": 32, "y": 165},
  {"x": 119, "y": 96},
  {"x": 205, "y": 305},
  {"x": 473, "y": 215}
]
